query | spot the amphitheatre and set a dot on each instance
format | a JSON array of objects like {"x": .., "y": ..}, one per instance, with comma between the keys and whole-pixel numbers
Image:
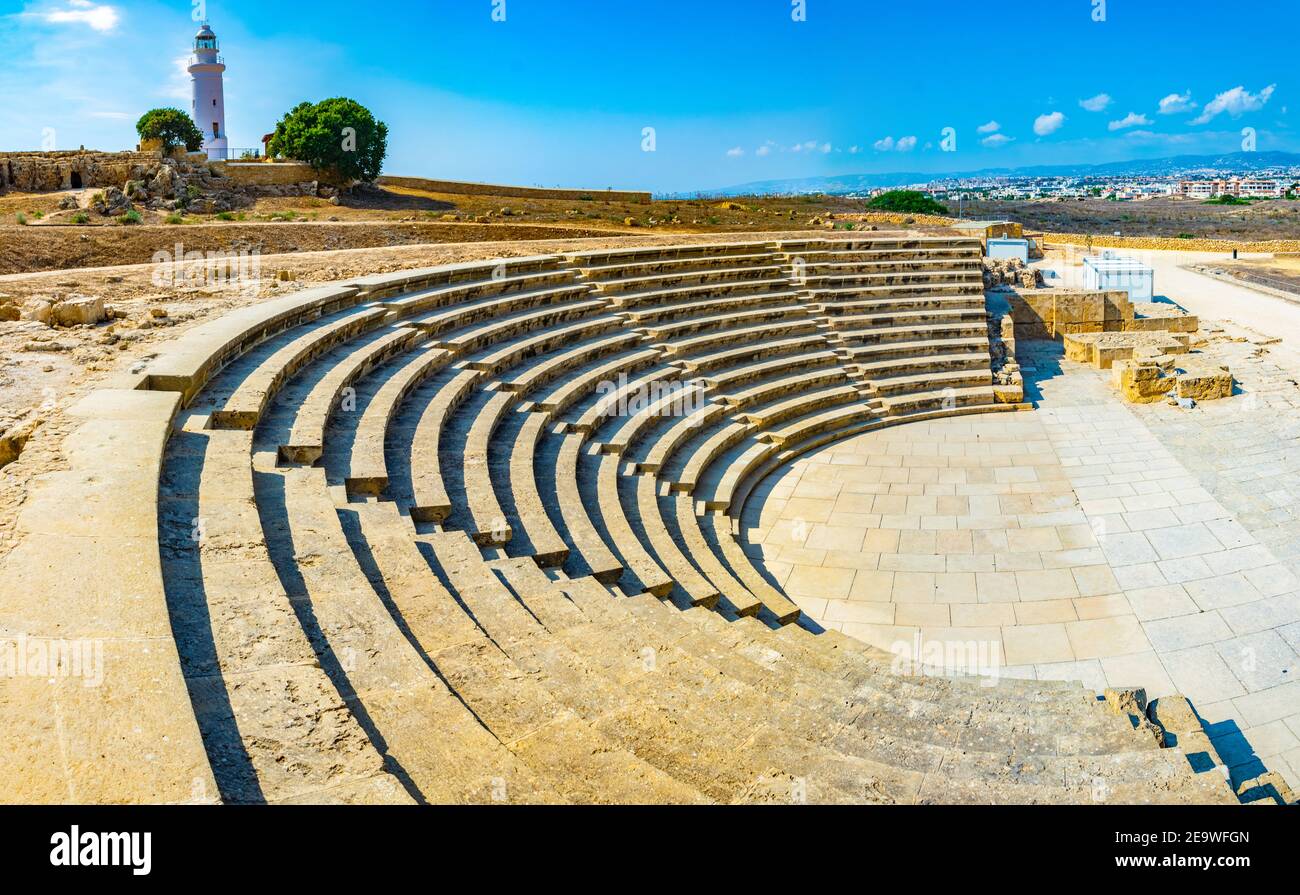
[{"x": 751, "y": 515}]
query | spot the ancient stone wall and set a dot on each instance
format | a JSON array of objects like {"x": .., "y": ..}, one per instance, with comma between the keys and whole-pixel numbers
[
  {"x": 522, "y": 192},
  {"x": 36, "y": 172},
  {"x": 267, "y": 173},
  {"x": 1053, "y": 313}
]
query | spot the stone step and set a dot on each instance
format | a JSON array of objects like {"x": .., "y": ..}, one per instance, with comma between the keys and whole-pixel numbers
[
  {"x": 200, "y": 353},
  {"x": 422, "y": 728},
  {"x": 446, "y": 307},
  {"x": 687, "y": 267},
  {"x": 588, "y": 547},
  {"x": 937, "y": 399},
  {"x": 305, "y": 441},
  {"x": 659, "y": 447},
  {"x": 724, "y": 320},
  {"x": 367, "y": 467},
  {"x": 492, "y": 305},
  {"x": 431, "y": 502},
  {"x": 508, "y": 274},
  {"x": 726, "y": 380},
  {"x": 909, "y": 383},
  {"x": 546, "y": 545},
  {"x": 923, "y": 364},
  {"x": 510, "y": 354},
  {"x": 775, "y": 330},
  {"x": 590, "y": 378},
  {"x": 243, "y": 408},
  {"x": 735, "y": 357},
  {"x": 621, "y": 280},
  {"x": 911, "y": 333},
  {"x": 654, "y": 317},
  {"x": 542, "y": 370},
  {"x": 879, "y": 352},
  {"x": 620, "y": 520},
  {"x": 273, "y": 716},
  {"x": 84, "y": 573}
]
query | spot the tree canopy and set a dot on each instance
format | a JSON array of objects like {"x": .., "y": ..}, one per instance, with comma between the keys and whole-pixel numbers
[
  {"x": 906, "y": 201},
  {"x": 338, "y": 136},
  {"x": 172, "y": 126}
]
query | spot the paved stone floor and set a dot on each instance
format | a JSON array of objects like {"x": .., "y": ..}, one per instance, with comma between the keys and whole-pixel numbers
[{"x": 1086, "y": 540}]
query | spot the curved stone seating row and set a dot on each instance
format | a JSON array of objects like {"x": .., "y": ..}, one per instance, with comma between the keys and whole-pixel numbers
[{"x": 510, "y": 569}]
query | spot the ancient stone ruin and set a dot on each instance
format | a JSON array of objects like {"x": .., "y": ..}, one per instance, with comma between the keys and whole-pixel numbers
[{"x": 484, "y": 523}]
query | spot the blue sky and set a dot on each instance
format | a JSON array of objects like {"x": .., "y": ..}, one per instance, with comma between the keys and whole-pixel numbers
[{"x": 561, "y": 91}]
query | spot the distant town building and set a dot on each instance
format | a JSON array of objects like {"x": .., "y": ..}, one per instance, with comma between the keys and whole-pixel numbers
[
  {"x": 1247, "y": 187},
  {"x": 209, "y": 103}
]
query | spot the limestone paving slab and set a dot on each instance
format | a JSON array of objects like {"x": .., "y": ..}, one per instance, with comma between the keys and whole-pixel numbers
[{"x": 1086, "y": 540}]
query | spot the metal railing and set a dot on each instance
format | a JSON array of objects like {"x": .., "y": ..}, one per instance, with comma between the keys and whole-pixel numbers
[{"x": 235, "y": 154}]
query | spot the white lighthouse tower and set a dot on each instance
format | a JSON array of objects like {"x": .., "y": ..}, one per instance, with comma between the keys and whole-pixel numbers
[{"x": 209, "y": 104}]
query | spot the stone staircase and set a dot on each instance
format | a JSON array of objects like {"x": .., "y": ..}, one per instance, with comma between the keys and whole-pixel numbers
[{"x": 470, "y": 534}]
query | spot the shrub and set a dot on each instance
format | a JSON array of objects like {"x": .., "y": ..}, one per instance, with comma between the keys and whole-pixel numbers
[
  {"x": 131, "y": 217},
  {"x": 21, "y": 218},
  {"x": 906, "y": 201},
  {"x": 81, "y": 218},
  {"x": 172, "y": 126},
  {"x": 174, "y": 219},
  {"x": 225, "y": 216},
  {"x": 318, "y": 134}
]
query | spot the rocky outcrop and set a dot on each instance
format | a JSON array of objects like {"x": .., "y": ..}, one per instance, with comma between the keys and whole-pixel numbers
[{"x": 141, "y": 180}]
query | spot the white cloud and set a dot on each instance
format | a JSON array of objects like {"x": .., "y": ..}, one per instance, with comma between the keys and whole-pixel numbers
[
  {"x": 905, "y": 144},
  {"x": 1048, "y": 124},
  {"x": 115, "y": 116},
  {"x": 735, "y": 152},
  {"x": 1236, "y": 102},
  {"x": 854, "y": 150},
  {"x": 806, "y": 146},
  {"x": 1098, "y": 103},
  {"x": 1132, "y": 119},
  {"x": 179, "y": 85},
  {"x": 1177, "y": 102},
  {"x": 996, "y": 140},
  {"x": 883, "y": 145},
  {"x": 763, "y": 150},
  {"x": 826, "y": 147},
  {"x": 83, "y": 12},
  {"x": 991, "y": 128}
]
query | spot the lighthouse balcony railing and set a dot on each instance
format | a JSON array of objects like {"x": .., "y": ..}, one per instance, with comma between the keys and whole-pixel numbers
[
  {"x": 235, "y": 154},
  {"x": 195, "y": 60}
]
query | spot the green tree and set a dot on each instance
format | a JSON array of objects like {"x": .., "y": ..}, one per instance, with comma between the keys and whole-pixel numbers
[
  {"x": 906, "y": 201},
  {"x": 338, "y": 136},
  {"x": 172, "y": 126}
]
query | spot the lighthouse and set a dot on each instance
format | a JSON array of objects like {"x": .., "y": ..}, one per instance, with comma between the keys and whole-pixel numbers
[{"x": 209, "y": 103}]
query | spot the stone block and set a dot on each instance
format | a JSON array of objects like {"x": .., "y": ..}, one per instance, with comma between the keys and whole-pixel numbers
[
  {"x": 78, "y": 311},
  {"x": 1205, "y": 384}
]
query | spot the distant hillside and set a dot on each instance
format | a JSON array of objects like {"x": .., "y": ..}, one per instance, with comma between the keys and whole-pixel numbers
[{"x": 1241, "y": 162}]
